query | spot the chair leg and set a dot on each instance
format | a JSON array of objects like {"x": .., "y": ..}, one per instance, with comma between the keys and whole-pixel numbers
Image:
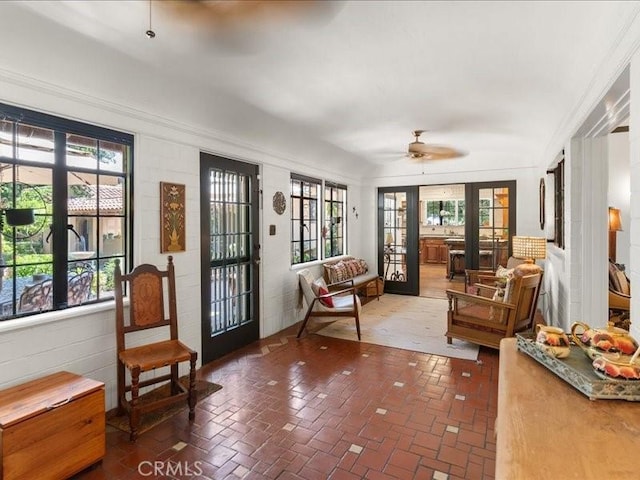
[
  {"x": 193, "y": 395},
  {"x": 306, "y": 319},
  {"x": 121, "y": 389},
  {"x": 378, "y": 289},
  {"x": 134, "y": 413},
  {"x": 358, "y": 323},
  {"x": 175, "y": 379}
]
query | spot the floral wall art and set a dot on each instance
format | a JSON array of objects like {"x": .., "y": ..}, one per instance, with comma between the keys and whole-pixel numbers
[{"x": 172, "y": 217}]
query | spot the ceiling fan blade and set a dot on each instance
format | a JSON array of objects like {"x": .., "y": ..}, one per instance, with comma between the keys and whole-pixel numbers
[
  {"x": 436, "y": 152},
  {"x": 214, "y": 13}
]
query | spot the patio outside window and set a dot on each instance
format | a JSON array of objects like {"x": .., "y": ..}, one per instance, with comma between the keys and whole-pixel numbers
[{"x": 72, "y": 180}]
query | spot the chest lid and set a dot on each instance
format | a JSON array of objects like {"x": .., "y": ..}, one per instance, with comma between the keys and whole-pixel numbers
[{"x": 32, "y": 398}]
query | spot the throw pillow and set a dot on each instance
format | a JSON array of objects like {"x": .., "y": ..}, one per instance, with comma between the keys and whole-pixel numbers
[
  {"x": 353, "y": 268},
  {"x": 504, "y": 272},
  {"x": 364, "y": 268},
  {"x": 327, "y": 301},
  {"x": 498, "y": 296},
  {"x": 508, "y": 290},
  {"x": 319, "y": 287},
  {"x": 338, "y": 272}
]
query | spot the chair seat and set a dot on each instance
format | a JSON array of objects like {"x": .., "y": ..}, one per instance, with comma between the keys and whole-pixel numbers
[
  {"x": 155, "y": 355},
  {"x": 343, "y": 302}
]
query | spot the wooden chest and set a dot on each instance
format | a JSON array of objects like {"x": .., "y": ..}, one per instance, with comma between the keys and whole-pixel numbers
[{"x": 52, "y": 427}]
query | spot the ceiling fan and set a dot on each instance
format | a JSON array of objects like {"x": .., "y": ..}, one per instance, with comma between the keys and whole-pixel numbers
[
  {"x": 230, "y": 13},
  {"x": 427, "y": 151}
]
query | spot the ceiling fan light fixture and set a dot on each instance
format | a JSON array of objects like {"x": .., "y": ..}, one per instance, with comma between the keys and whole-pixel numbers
[{"x": 417, "y": 147}]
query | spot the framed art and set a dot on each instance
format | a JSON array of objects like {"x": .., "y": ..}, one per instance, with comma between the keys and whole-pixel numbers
[
  {"x": 541, "y": 201},
  {"x": 172, "y": 217}
]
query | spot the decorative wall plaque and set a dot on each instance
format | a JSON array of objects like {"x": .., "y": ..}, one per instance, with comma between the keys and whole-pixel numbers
[
  {"x": 172, "y": 217},
  {"x": 279, "y": 203}
]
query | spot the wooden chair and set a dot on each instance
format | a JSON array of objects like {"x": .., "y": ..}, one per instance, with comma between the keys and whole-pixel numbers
[
  {"x": 473, "y": 278},
  {"x": 619, "y": 296},
  {"x": 346, "y": 302},
  {"x": 146, "y": 290},
  {"x": 486, "y": 321}
]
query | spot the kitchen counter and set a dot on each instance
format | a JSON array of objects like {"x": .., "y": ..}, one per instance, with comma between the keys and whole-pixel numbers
[{"x": 437, "y": 235}]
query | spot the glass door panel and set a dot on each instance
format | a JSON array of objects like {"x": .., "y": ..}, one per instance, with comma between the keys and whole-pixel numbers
[
  {"x": 398, "y": 239},
  {"x": 490, "y": 224}
]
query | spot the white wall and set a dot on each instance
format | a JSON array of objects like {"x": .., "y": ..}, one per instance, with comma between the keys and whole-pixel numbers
[
  {"x": 634, "y": 210},
  {"x": 82, "y": 340}
]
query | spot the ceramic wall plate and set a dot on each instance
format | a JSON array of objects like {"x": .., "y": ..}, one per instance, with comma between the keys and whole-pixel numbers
[{"x": 279, "y": 203}]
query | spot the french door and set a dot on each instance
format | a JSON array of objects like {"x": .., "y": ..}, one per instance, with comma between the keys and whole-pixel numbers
[
  {"x": 489, "y": 224},
  {"x": 398, "y": 239},
  {"x": 230, "y": 255}
]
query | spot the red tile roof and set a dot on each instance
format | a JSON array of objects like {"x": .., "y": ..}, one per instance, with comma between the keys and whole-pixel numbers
[{"x": 110, "y": 200}]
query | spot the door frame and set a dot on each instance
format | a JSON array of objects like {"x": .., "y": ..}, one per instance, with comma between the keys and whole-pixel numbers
[
  {"x": 412, "y": 284},
  {"x": 472, "y": 218},
  {"x": 244, "y": 334}
]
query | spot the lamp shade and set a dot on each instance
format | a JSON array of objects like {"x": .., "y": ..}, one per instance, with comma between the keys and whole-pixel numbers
[
  {"x": 529, "y": 247},
  {"x": 388, "y": 239},
  {"x": 615, "y": 225}
]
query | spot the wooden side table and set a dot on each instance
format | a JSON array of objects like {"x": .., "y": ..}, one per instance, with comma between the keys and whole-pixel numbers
[
  {"x": 548, "y": 429},
  {"x": 52, "y": 427}
]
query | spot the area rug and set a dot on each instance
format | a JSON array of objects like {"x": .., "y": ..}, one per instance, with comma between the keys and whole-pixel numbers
[
  {"x": 407, "y": 322},
  {"x": 151, "y": 419}
]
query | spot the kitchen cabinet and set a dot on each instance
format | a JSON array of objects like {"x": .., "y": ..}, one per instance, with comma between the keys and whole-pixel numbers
[{"x": 433, "y": 250}]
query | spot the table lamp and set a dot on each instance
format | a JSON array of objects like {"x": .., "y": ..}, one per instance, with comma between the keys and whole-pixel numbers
[
  {"x": 615, "y": 226},
  {"x": 529, "y": 249}
]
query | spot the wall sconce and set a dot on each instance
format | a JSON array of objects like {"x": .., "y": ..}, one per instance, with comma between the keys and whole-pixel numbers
[{"x": 615, "y": 225}]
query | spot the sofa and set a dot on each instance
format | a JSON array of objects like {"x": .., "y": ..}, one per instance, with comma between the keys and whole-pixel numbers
[{"x": 353, "y": 271}]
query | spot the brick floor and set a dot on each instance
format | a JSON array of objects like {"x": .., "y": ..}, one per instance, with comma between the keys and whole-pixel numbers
[{"x": 348, "y": 411}]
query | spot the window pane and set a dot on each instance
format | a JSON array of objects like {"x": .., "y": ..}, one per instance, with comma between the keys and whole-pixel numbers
[
  {"x": 35, "y": 144},
  {"x": 113, "y": 157},
  {"x": 111, "y": 196},
  {"x": 112, "y": 239},
  {"x": 82, "y": 196},
  {"x": 6, "y": 139},
  {"x": 105, "y": 277},
  {"x": 80, "y": 283},
  {"x": 82, "y": 152}
]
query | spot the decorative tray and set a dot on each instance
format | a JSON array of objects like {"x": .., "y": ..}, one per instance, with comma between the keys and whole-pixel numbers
[{"x": 577, "y": 371}]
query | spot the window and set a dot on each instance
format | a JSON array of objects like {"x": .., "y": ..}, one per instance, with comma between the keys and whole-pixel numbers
[
  {"x": 64, "y": 195},
  {"x": 335, "y": 199},
  {"x": 445, "y": 212},
  {"x": 558, "y": 200},
  {"x": 555, "y": 231},
  {"x": 307, "y": 228},
  {"x": 304, "y": 219}
]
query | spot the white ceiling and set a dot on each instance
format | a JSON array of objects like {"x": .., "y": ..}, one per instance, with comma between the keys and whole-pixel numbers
[{"x": 346, "y": 81}]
